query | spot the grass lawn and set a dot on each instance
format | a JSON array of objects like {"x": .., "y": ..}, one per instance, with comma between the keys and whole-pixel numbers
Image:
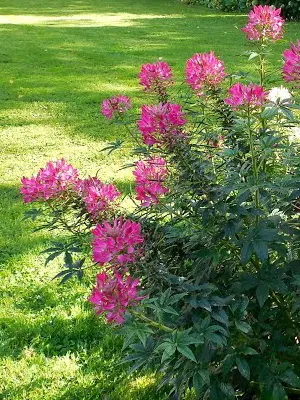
[{"x": 59, "y": 59}]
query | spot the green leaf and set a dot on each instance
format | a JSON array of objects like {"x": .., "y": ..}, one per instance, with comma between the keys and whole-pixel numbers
[
  {"x": 279, "y": 392},
  {"x": 262, "y": 293},
  {"x": 68, "y": 259},
  {"x": 269, "y": 113},
  {"x": 61, "y": 273},
  {"x": 228, "y": 364},
  {"x": 200, "y": 379},
  {"x": 288, "y": 113},
  {"x": 290, "y": 378},
  {"x": 217, "y": 339},
  {"x": 203, "y": 304},
  {"x": 228, "y": 390},
  {"x": 113, "y": 146},
  {"x": 187, "y": 352},
  {"x": 242, "y": 326},
  {"x": 243, "y": 367},
  {"x": 253, "y": 54},
  {"x": 246, "y": 252},
  {"x": 198, "y": 383},
  {"x": 170, "y": 310},
  {"x": 142, "y": 336},
  {"x": 32, "y": 214},
  {"x": 175, "y": 298},
  {"x": 249, "y": 351},
  {"x": 168, "y": 352},
  {"x": 220, "y": 316},
  {"x": 52, "y": 257},
  {"x": 66, "y": 277},
  {"x": 261, "y": 250}
]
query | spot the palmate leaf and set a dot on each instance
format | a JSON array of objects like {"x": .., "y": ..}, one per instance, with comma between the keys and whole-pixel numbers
[
  {"x": 32, "y": 214},
  {"x": 262, "y": 293},
  {"x": 112, "y": 146},
  {"x": 52, "y": 256},
  {"x": 187, "y": 352}
]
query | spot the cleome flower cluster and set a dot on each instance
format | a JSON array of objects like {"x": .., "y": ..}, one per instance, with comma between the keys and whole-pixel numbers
[
  {"x": 161, "y": 124},
  {"x": 150, "y": 175},
  {"x": 50, "y": 182},
  {"x": 114, "y": 294},
  {"x": 204, "y": 71},
  {"x": 264, "y": 24},
  {"x": 117, "y": 241},
  {"x": 60, "y": 180},
  {"x": 249, "y": 96},
  {"x": 115, "y": 106},
  {"x": 291, "y": 67},
  {"x": 156, "y": 77}
]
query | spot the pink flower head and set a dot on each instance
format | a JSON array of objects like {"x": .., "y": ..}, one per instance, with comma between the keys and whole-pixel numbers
[
  {"x": 204, "y": 71},
  {"x": 115, "y": 106},
  {"x": 97, "y": 196},
  {"x": 264, "y": 23},
  {"x": 50, "y": 182},
  {"x": 116, "y": 243},
  {"x": 161, "y": 124},
  {"x": 246, "y": 96},
  {"x": 113, "y": 295},
  {"x": 156, "y": 77},
  {"x": 149, "y": 176},
  {"x": 291, "y": 67}
]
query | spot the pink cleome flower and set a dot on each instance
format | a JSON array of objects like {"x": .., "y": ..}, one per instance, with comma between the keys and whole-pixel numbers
[
  {"x": 156, "y": 77},
  {"x": 291, "y": 67},
  {"x": 113, "y": 295},
  {"x": 115, "y": 106},
  {"x": 246, "y": 96},
  {"x": 204, "y": 71},
  {"x": 117, "y": 243},
  {"x": 264, "y": 23},
  {"x": 50, "y": 182},
  {"x": 161, "y": 124},
  {"x": 96, "y": 195},
  {"x": 149, "y": 176}
]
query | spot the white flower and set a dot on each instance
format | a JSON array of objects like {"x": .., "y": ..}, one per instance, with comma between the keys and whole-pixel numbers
[{"x": 279, "y": 95}]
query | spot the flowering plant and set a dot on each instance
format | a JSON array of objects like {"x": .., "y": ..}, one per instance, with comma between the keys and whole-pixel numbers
[{"x": 204, "y": 273}]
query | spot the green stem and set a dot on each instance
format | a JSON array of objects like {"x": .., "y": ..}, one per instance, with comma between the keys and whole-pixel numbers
[
  {"x": 132, "y": 134},
  {"x": 63, "y": 222},
  {"x": 262, "y": 69},
  {"x": 150, "y": 322},
  {"x": 254, "y": 162}
]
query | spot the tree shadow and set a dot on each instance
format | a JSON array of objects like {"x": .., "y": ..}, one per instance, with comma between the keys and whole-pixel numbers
[
  {"x": 70, "y": 70},
  {"x": 16, "y": 235}
]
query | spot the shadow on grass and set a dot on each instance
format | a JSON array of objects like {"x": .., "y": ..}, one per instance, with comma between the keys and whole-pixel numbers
[
  {"x": 16, "y": 235},
  {"x": 72, "y": 69},
  {"x": 56, "y": 332}
]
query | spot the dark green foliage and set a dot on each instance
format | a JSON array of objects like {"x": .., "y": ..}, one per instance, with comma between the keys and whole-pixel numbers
[{"x": 290, "y": 8}]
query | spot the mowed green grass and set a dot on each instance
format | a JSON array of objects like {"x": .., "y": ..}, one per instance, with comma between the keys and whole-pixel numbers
[{"x": 59, "y": 59}]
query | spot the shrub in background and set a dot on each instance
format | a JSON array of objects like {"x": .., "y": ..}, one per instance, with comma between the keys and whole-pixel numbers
[
  {"x": 290, "y": 8},
  {"x": 203, "y": 276}
]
